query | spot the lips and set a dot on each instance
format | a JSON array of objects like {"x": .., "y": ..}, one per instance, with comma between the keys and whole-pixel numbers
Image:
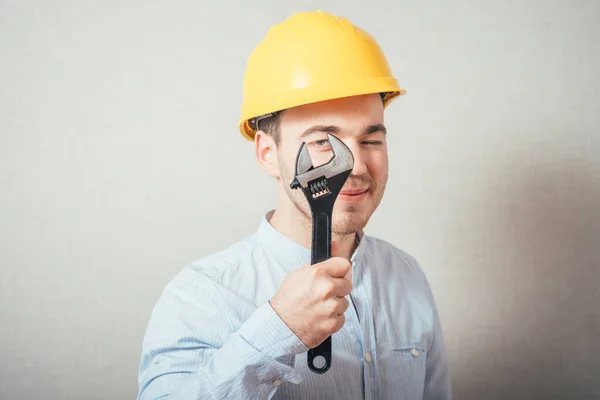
[
  {"x": 353, "y": 192},
  {"x": 353, "y": 195}
]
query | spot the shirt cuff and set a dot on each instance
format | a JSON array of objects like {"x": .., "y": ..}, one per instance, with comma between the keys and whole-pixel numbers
[{"x": 267, "y": 332}]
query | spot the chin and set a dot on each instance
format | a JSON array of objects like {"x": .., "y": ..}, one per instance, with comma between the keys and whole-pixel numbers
[{"x": 349, "y": 223}]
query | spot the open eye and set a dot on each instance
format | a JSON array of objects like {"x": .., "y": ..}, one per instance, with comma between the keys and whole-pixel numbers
[
  {"x": 319, "y": 149},
  {"x": 319, "y": 145}
]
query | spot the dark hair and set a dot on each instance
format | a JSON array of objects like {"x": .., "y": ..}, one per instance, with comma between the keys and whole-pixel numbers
[{"x": 271, "y": 126}]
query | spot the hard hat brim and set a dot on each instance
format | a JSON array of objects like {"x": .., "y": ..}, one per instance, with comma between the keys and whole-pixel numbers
[{"x": 314, "y": 94}]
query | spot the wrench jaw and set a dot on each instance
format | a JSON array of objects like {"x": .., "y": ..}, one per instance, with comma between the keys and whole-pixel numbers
[
  {"x": 321, "y": 181},
  {"x": 303, "y": 161}
]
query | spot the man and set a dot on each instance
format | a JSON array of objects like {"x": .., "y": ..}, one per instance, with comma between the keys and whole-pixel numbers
[{"x": 238, "y": 324}]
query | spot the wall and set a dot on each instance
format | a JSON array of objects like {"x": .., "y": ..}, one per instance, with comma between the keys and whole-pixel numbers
[{"x": 120, "y": 162}]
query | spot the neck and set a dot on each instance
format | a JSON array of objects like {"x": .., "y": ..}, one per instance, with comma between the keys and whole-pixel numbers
[{"x": 292, "y": 223}]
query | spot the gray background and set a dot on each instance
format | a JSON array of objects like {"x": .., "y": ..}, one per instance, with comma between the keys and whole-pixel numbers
[{"x": 120, "y": 162}]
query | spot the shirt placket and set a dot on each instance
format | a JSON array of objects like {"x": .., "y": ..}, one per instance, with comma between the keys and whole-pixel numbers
[{"x": 360, "y": 325}]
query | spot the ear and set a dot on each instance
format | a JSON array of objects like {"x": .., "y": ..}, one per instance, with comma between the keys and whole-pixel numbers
[{"x": 266, "y": 153}]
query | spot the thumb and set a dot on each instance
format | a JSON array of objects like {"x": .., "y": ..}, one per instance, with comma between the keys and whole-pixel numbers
[{"x": 336, "y": 267}]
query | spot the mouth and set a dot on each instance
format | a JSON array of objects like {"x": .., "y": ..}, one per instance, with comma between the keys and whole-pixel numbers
[{"x": 352, "y": 195}]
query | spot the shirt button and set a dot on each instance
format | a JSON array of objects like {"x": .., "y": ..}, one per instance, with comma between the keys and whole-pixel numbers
[
  {"x": 277, "y": 382},
  {"x": 415, "y": 352},
  {"x": 368, "y": 356}
]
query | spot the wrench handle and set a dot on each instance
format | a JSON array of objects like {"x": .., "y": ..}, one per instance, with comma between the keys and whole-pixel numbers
[
  {"x": 321, "y": 237},
  {"x": 321, "y": 251}
]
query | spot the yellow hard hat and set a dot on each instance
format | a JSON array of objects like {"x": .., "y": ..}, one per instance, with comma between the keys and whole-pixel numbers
[{"x": 311, "y": 57}]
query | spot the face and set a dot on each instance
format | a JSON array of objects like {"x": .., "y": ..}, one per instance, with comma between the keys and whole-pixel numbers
[{"x": 358, "y": 122}]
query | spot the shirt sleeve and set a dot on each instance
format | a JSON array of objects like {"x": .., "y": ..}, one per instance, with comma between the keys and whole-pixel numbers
[{"x": 188, "y": 354}]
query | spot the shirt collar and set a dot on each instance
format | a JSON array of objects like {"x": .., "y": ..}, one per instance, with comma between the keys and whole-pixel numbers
[
  {"x": 290, "y": 252},
  {"x": 280, "y": 246}
]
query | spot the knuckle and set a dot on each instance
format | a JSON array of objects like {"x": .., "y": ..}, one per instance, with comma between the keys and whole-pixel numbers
[
  {"x": 346, "y": 303},
  {"x": 332, "y": 309},
  {"x": 316, "y": 273},
  {"x": 328, "y": 288}
]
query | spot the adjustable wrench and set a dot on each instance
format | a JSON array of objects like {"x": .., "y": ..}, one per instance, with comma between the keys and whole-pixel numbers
[{"x": 321, "y": 186}]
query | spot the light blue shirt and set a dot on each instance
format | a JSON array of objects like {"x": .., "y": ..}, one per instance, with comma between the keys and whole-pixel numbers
[{"x": 213, "y": 334}]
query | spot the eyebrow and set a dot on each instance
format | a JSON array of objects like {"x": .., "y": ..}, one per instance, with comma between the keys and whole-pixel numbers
[
  {"x": 336, "y": 129},
  {"x": 321, "y": 128},
  {"x": 376, "y": 128}
]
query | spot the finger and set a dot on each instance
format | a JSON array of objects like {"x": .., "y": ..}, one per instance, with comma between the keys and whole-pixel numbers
[
  {"x": 336, "y": 267},
  {"x": 343, "y": 304},
  {"x": 343, "y": 287},
  {"x": 340, "y": 320}
]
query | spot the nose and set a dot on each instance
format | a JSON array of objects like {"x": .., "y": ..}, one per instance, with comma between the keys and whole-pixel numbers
[{"x": 360, "y": 160}]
